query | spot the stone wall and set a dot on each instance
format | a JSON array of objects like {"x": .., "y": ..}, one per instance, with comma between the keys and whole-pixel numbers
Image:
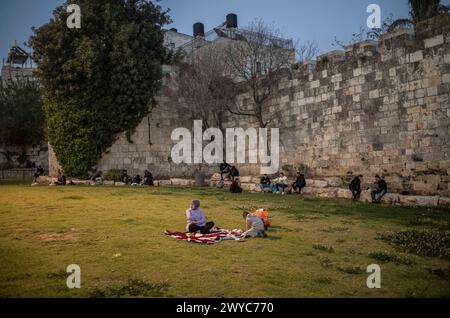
[
  {"x": 377, "y": 108},
  {"x": 37, "y": 155}
]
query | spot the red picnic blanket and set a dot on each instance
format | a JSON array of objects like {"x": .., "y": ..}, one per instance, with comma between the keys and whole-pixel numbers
[{"x": 211, "y": 238}]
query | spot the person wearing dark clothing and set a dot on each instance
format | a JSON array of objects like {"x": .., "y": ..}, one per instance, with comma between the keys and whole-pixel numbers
[
  {"x": 125, "y": 177},
  {"x": 299, "y": 183},
  {"x": 265, "y": 183},
  {"x": 234, "y": 172},
  {"x": 235, "y": 186},
  {"x": 381, "y": 190},
  {"x": 136, "y": 180},
  {"x": 355, "y": 187},
  {"x": 61, "y": 179},
  {"x": 39, "y": 172},
  {"x": 148, "y": 178},
  {"x": 224, "y": 169}
]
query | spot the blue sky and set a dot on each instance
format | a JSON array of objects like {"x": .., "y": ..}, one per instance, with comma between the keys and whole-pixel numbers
[{"x": 319, "y": 20}]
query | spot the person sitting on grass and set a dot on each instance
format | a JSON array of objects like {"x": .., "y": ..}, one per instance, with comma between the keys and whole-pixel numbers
[
  {"x": 265, "y": 183},
  {"x": 136, "y": 181},
  {"x": 381, "y": 190},
  {"x": 235, "y": 186},
  {"x": 125, "y": 177},
  {"x": 39, "y": 172},
  {"x": 355, "y": 187},
  {"x": 61, "y": 179},
  {"x": 254, "y": 226},
  {"x": 196, "y": 220},
  {"x": 299, "y": 183},
  {"x": 148, "y": 178},
  {"x": 280, "y": 182}
]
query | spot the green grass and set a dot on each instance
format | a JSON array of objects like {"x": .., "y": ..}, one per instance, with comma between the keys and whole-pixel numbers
[{"x": 316, "y": 248}]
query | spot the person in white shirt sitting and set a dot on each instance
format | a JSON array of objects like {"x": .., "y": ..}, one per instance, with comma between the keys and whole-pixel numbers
[{"x": 280, "y": 182}]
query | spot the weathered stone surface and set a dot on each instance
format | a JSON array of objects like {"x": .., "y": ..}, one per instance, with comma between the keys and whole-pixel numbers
[
  {"x": 444, "y": 201},
  {"x": 162, "y": 183},
  {"x": 255, "y": 180},
  {"x": 391, "y": 198},
  {"x": 366, "y": 196},
  {"x": 249, "y": 187},
  {"x": 82, "y": 182},
  {"x": 246, "y": 179},
  {"x": 215, "y": 177},
  {"x": 182, "y": 182},
  {"x": 344, "y": 194},
  {"x": 372, "y": 113},
  {"x": 334, "y": 181},
  {"x": 419, "y": 200},
  {"x": 316, "y": 183},
  {"x": 108, "y": 183},
  {"x": 46, "y": 180},
  {"x": 120, "y": 184}
]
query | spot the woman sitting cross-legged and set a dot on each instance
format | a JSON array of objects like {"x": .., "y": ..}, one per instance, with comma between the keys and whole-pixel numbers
[{"x": 196, "y": 220}]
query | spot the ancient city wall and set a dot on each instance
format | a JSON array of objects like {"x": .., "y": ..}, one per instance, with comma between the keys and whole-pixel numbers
[{"x": 377, "y": 108}]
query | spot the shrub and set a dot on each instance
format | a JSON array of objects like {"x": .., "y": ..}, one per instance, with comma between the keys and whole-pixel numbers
[
  {"x": 426, "y": 242},
  {"x": 133, "y": 288},
  {"x": 387, "y": 256},
  {"x": 351, "y": 269},
  {"x": 114, "y": 175},
  {"x": 325, "y": 262}
]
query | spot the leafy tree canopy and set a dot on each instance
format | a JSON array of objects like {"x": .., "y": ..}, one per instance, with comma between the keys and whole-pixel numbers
[
  {"x": 98, "y": 80},
  {"x": 22, "y": 119}
]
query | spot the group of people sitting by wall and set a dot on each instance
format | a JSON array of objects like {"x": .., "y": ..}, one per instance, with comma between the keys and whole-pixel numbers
[
  {"x": 137, "y": 180},
  {"x": 280, "y": 184},
  {"x": 377, "y": 193}
]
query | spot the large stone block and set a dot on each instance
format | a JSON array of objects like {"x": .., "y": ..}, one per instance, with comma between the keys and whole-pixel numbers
[
  {"x": 334, "y": 181},
  {"x": 46, "y": 180},
  {"x": 391, "y": 198},
  {"x": 344, "y": 194},
  {"x": 444, "y": 201},
  {"x": 250, "y": 187},
  {"x": 215, "y": 177},
  {"x": 182, "y": 182},
  {"x": 419, "y": 200},
  {"x": 162, "y": 183},
  {"x": 246, "y": 179},
  {"x": 316, "y": 183},
  {"x": 435, "y": 41}
]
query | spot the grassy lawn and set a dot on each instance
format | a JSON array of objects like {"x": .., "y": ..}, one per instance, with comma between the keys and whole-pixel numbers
[{"x": 316, "y": 248}]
